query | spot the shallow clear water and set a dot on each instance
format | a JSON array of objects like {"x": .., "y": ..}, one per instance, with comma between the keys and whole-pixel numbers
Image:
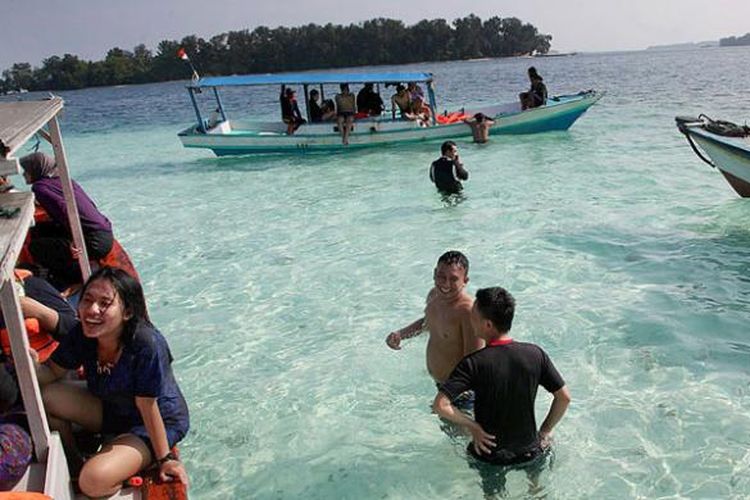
[{"x": 276, "y": 280}]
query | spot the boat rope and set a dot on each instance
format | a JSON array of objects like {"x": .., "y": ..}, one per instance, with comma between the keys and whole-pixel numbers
[{"x": 682, "y": 126}]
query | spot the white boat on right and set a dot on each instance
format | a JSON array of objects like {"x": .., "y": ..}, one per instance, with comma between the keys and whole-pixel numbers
[{"x": 723, "y": 145}]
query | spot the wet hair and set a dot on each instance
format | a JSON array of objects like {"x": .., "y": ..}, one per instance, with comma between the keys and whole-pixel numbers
[
  {"x": 400, "y": 87},
  {"x": 131, "y": 295},
  {"x": 534, "y": 74},
  {"x": 39, "y": 165},
  {"x": 314, "y": 91},
  {"x": 480, "y": 117},
  {"x": 454, "y": 257},
  {"x": 497, "y": 305},
  {"x": 289, "y": 92},
  {"x": 447, "y": 146},
  {"x": 344, "y": 86}
]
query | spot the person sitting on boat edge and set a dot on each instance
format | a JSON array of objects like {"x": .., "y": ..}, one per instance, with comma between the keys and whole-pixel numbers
[
  {"x": 505, "y": 377},
  {"x": 49, "y": 244},
  {"x": 420, "y": 112},
  {"x": 369, "y": 101},
  {"x": 131, "y": 392},
  {"x": 320, "y": 112},
  {"x": 401, "y": 101},
  {"x": 447, "y": 172},
  {"x": 290, "y": 113},
  {"x": 480, "y": 127},
  {"x": 345, "y": 110},
  {"x": 537, "y": 94}
]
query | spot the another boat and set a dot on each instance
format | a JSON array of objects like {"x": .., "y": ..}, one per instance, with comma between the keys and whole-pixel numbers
[
  {"x": 726, "y": 144},
  {"x": 232, "y": 137},
  {"x": 48, "y": 472}
]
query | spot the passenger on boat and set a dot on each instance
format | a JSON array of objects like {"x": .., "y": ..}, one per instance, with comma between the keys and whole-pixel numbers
[
  {"x": 50, "y": 242},
  {"x": 15, "y": 442},
  {"x": 447, "y": 172},
  {"x": 420, "y": 111},
  {"x": 47, "y": 315},
  {"x": 345, "y": 111},
  {"x": 415, "y": 91},
  {"x": 369, "y": 101},
  {"x": 402, "y": 101},
  {"x": 537, "y": 94},
  {"x": 480, "y": 127},
  {"x": 320, "y": 113},
  {"x": 290, "y": 113},
  {"x": 131, "y": 394}
]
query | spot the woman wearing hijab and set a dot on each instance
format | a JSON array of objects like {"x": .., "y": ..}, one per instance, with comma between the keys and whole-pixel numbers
[{"x": 51, "y": 239}]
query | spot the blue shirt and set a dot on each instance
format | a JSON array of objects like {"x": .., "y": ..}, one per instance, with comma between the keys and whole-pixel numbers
[{"x": 144, "y": 369}]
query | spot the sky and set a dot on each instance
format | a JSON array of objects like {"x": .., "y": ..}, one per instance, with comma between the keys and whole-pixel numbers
[{"x": 36, "y": 29}]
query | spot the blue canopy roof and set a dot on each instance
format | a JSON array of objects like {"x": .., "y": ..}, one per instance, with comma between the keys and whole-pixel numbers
[{"x": 309, "y": 78}]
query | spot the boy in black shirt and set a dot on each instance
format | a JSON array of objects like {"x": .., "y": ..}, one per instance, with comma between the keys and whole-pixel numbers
[{"x": 505, "y": 376}]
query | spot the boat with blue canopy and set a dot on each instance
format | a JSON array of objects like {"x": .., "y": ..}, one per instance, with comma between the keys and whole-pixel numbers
[{"x": 225, "y": 136}]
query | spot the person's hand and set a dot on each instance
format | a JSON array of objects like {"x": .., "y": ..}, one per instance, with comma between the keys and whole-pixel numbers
[
  {"x": 75, "y": 252},
  {"x": 483, "y": 442},
  {"x": 171, "y": 470},
  {"x": 394, "y": 340},
  {"x": 545, "y": 439}
]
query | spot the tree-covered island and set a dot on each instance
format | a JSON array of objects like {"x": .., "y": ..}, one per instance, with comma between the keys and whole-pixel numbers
[{"x": 373, "y": 42}]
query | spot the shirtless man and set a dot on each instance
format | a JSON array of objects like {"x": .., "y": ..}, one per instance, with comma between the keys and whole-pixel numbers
[
  {"x": 401, "y": 100},
  {"x": 480, "y": 127},
  {"x": 447, "y": 318}
]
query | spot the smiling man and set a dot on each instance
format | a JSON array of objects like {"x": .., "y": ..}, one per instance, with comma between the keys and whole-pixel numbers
[{"x": 447, "y": 318}]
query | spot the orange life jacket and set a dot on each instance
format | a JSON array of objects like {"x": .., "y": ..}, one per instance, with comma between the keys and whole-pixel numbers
[{"x": 39, "y": 340}]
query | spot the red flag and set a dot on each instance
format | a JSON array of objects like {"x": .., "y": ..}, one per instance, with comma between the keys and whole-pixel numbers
[{"x": 182, "y": 54}]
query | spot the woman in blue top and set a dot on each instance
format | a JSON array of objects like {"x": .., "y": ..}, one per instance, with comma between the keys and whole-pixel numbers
[{"x": 130, "y": 389}]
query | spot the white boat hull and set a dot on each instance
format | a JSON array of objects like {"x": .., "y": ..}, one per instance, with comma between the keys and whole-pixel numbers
[
  {"x": 232, "y": 138},
  {"x": 730, "y": 155}
]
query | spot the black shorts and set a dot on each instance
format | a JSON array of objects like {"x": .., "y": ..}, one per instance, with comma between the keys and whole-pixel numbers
[
  {"x": 508, "y": 458},
  {"x": 345, "y": 114}
]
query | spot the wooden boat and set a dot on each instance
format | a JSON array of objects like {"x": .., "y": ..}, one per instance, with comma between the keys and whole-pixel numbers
[
  {"x": 48, "y": 473},
  {"x": 726, "y": 145},
  {"x": 232, "y": 137}
]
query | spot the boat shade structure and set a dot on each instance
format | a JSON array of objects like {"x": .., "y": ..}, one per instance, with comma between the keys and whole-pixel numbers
[
  {"x": 19, "y": 122},
  {"x": 310, "y": 78}
]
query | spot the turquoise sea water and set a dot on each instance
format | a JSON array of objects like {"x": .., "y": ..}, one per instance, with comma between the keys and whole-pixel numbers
[{"x": 276, "y": 281}]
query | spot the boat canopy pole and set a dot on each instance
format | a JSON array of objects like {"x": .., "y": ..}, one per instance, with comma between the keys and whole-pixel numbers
[
  {"x": 322, "y": 95},
  {"x": 433, "y": 104},
  {"x": 74, "y": 220},
  {"x": 307, "y": 103},
  {"x": 201, "y": 125},
  {"x": 221, "y": 106}
]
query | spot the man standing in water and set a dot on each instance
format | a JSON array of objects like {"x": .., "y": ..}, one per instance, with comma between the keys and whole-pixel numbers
[
  {"x": 504, "y": 377},
  {"x": 480, "y": 127},
  {"x": 447, "y": 172},
  {"x": 447, "y": 318}
]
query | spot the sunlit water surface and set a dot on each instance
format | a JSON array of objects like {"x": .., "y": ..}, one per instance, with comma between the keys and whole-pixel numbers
[{"x": 276, "y": 280}]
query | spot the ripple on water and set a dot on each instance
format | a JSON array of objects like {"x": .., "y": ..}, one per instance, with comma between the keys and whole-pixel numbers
[{"x": 276, "y": 280}]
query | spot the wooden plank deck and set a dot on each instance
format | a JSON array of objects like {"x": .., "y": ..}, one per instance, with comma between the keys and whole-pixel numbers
[{"x": 19, "y": 121}]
